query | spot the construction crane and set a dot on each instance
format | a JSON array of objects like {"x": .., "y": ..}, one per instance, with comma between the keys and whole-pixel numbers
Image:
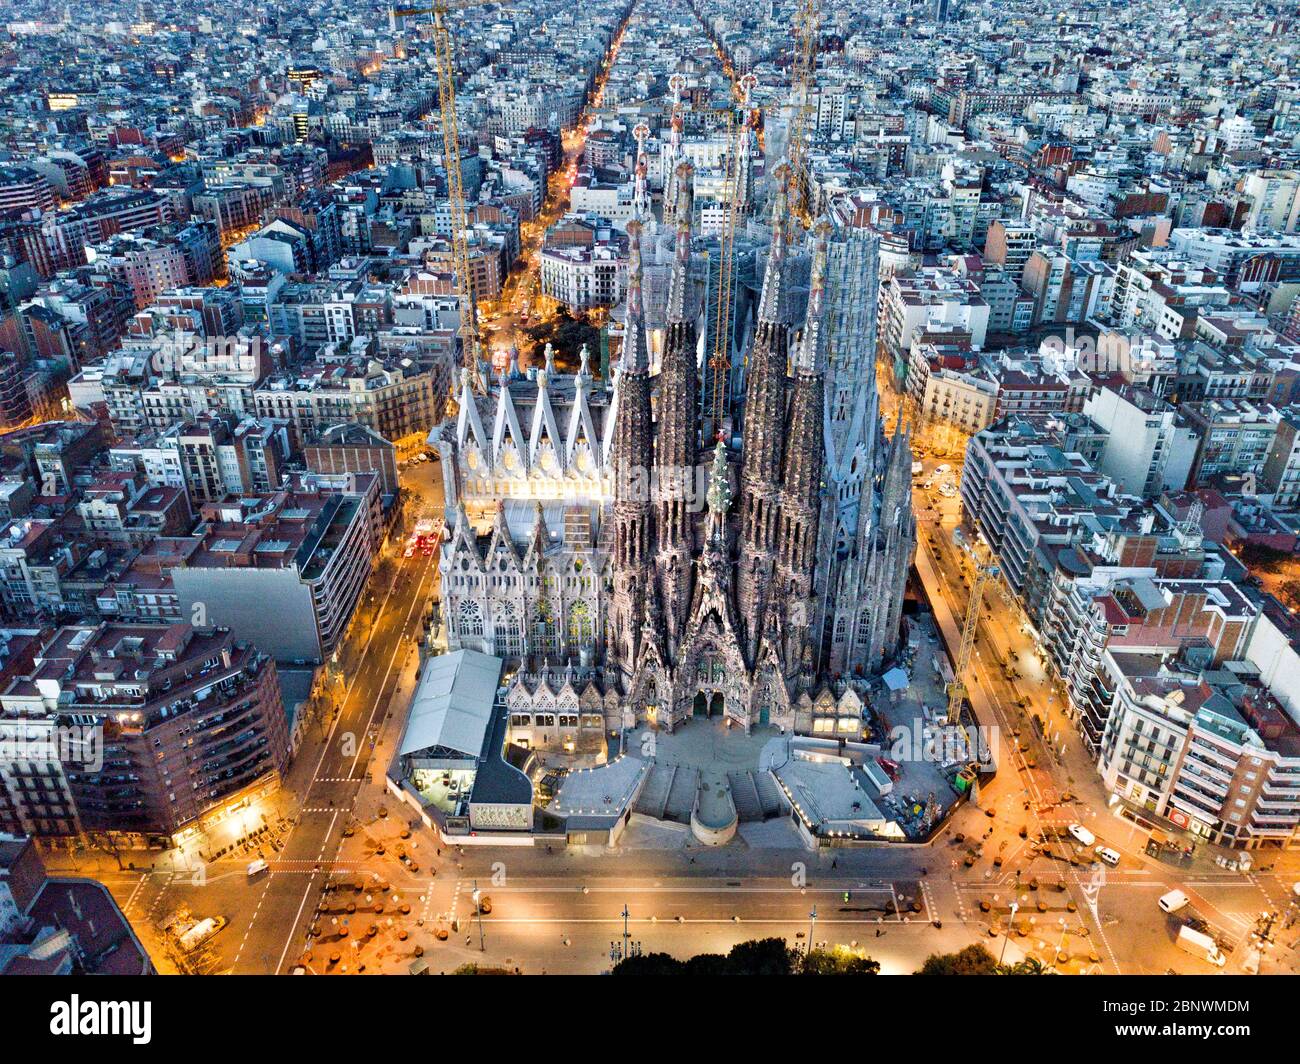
[
  {"x": 445, "y": 61},
  {"x": 807, "y": 23},
  {"x": 721, "y": 355},
  {"x": 738, "y": 145},
  {"x": 985, "y": 573}
]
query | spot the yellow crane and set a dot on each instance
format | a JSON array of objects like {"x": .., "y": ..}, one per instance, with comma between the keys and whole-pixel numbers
[
  {"x": 737, "y": 135},
  {"x": 807, "y": 23},
  {"x": 985, "y": 573},
  {"x": 720, "y": 358},
  {"x": 445, "y": 61}
]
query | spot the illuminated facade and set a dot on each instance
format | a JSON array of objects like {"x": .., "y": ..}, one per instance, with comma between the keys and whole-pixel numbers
[{"x": 608, "y": 558}]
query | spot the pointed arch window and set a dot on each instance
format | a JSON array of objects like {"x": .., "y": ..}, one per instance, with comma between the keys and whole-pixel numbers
[
  {"x": 580, "y": 629},
  {"x": 471, "y": 618}
]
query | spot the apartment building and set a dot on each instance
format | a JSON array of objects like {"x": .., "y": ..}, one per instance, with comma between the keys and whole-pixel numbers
[
  {"x": 1235, "y": 436},
  {"x": 283, "y": 570},
  {"x": 150, "y": 262},
  {"x": 1280, "y": 477},
  {"x": 22, "y": 188},
  {"x": 915, "y": 300},
  {"x": 138, "y": 732},
  {"x": 385, "y": 397},
  {"x": 1029, "y": 486},
  {"x": 1149, "y": 448},
  {"x": 1100, "y": 602},
  {"x": 1273, "y": 198},
  {"x": 584, "y": 263},
  {"x": 1207, "y": 748},
  {"x": 353, "y": 448}
]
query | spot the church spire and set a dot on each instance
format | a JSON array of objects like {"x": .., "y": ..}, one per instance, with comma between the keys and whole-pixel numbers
[
  {"x": 635, "y": 357},
  {"x": 801, "y": 480},
  {"x": 809, "y": 356},
  {"x": 771, "y": 304},
  {"x": 803, "y": 456},
  {"x": 675, "y": 443},
  {"x": 679, "y": 279},
  {"x": 633, "y": 434},
  {"x": 641, "y": 195},
  {"x": 764, "y": 431}
]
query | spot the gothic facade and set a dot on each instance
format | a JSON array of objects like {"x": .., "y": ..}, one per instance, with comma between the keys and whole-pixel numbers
[{"x": 758, "y": 577}]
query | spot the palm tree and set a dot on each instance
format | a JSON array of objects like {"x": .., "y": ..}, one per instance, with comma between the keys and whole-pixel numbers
[{"x": 1029, "y": 966}]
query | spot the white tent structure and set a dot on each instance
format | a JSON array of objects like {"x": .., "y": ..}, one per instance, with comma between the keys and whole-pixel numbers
[{"x": 451, "y": 709}]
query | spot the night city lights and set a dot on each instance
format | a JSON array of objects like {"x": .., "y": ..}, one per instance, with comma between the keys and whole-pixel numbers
[{"x": 650, "y": 487}]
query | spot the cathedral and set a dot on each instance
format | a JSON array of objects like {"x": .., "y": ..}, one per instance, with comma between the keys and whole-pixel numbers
[{"x": 638, "y": 572}]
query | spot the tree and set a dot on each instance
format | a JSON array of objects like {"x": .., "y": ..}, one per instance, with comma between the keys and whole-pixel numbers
[
  {"x": 973, "y": 960},
  {"x": 649, "y": 964},
  {"x": 765, "y": 956},
  {"x": 837, "y": 962},
  {"x": 708, "y": 964},
  {"x": 1029, "y": 966}
]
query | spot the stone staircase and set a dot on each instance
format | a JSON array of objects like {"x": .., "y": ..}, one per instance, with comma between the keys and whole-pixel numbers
[
  {"x": 681, "y": 794},
  {"x": 653, "y": 798},
  {"x": 769, "y": 795},
  {"x": 744, "y": 793}
]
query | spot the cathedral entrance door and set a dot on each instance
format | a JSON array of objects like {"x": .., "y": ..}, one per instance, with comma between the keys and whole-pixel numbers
[
  {"x": 716, "y": 704},
  {"x": 701, "y": 705},
  {"x": 765, "y": 715}
]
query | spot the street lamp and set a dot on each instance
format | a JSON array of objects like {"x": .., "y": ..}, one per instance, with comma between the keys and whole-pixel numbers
[
  {"x": 621, "y": 951},
  {"x": 478, "y": 912},
  {"x": 1011, "y": 920}
]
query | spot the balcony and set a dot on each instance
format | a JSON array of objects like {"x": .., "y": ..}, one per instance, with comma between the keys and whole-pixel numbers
[
  {"x": 1207, "y": 770},
  {"x": 1193, "y": 806},
  {"x": 1213, "y": 755}
]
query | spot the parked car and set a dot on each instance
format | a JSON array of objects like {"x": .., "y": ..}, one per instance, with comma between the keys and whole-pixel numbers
[{"x": 1082, "y": 835}]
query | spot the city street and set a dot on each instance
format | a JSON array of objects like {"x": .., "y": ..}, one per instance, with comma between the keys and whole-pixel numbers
[
  {"x": 1003, "y": 871},
  {"x": 1229, "y": 902},
  {"x": 521, "y": 303}
]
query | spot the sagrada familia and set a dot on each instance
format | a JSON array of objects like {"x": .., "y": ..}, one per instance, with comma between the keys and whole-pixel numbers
[{"x": 634, "y": 571}]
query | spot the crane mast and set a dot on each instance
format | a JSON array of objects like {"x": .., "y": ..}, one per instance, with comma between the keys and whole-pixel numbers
[
  {"x": 806, "y": 24},
  {"x": 985, "y": 574},
  {"x": 737, "y": 135},
  {"x": 445, "y": 63}
]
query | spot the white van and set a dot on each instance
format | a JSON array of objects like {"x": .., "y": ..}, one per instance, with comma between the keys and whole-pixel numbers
[
  {"x": 1082, "y": 835},
  {"x": 1111, "y": 857},
  {"x": 256, "y": 868},
  {"x": 1199, "y": 944},
  {"x": 1173, "y": 901}
]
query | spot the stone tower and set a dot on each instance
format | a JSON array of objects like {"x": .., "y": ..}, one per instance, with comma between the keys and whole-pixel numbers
[
  {"x": 630, "y": 565},
  {"x": 868, "y": 605},
  {"x": 676, "y": 442},
  {"x": 762, "y": 436},
  {"x": 800, "y": 498}
]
